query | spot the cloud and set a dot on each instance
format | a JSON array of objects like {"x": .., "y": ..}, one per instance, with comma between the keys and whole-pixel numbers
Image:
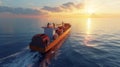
[
  {"x": 20, "y": 11},
  {"x": 44, "y": 11},
  {"x": 52, "y": 9},
  {"x": 64, "y": 7},
  {"x": 68, "y": 5}
]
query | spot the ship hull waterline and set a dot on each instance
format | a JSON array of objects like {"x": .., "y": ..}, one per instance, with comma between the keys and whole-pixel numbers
[
  {"x": 47, "y": 57},
  {"x": 52, "y": 44}
]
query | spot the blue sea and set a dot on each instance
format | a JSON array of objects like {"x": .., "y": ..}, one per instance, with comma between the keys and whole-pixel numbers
[{"x": 93, "y": 42}]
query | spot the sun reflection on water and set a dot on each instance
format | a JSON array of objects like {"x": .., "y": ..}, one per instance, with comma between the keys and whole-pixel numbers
[
  {"x": 88, "y": 26},
  {"x": 88, "y": 38}
]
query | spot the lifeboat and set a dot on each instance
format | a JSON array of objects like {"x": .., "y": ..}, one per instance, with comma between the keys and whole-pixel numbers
[{"x": 50, "y": 38}]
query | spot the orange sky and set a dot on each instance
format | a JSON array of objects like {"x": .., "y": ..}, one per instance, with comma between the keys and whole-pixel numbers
[{"x": 75, "y": 9}]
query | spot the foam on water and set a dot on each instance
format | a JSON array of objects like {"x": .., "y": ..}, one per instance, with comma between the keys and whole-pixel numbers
[{"x": 26, "y": 60}]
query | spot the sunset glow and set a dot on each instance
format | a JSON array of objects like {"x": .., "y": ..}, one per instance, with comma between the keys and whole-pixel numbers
[
  {"x": 90, "y": 11},
  {"x": 68, "y": 8}
]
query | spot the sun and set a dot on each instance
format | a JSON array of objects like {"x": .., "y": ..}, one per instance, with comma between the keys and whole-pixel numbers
[{"x": 90, "y": 11}]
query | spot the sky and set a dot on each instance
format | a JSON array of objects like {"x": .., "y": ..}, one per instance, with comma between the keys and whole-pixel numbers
[
  {"x": 34, "y": 3},
  {"x": 58, "y": 7}
]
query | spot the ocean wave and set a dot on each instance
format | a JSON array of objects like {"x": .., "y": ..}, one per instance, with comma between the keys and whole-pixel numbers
[{"x": 26, "y": 59}]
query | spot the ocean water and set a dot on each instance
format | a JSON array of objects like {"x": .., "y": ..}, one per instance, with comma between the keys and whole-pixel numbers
[{"x": 93, "y": 42}]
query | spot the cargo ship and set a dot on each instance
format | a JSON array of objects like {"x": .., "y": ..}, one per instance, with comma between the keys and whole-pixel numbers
[{"x": 52, "y": 36}]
